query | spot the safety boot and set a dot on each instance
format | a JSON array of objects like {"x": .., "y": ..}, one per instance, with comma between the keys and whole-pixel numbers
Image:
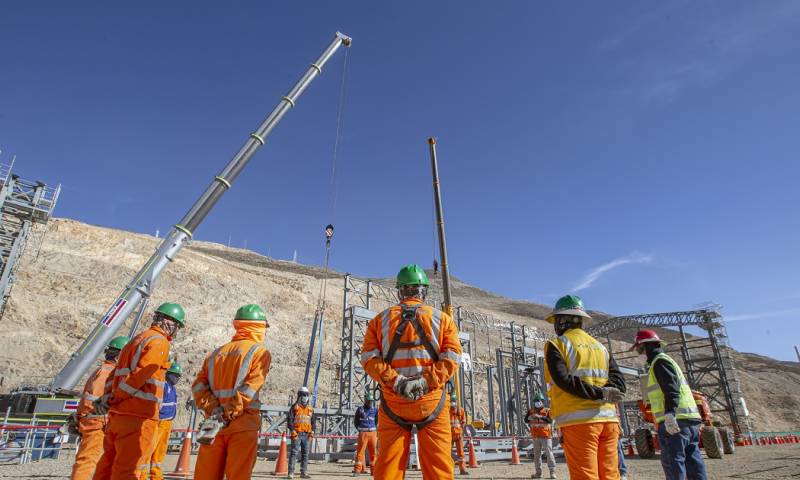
[
  {"x": 537, "y": 475},
  {"x": 553, "y": 474},
  {"x": 305, "y": 475},
  {"x": 291, "y": 475}
]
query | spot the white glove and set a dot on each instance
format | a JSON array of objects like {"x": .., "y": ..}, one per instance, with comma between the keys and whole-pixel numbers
[
  {"x": 612, "y": 395},
  {"x": 399, "y": 384},
  {"x": 671, "y": 424},
  {"x": 415, "y": 388}
]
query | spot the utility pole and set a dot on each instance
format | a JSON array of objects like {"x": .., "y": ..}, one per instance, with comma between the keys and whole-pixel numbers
[
  {"x": 437, "y": 200},
  {"x": 141, "y": 286},
  {"x": 797, "y": 352}
]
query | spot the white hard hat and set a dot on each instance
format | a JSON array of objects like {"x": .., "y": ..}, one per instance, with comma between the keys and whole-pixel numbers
[{"x": 303, "y": 389}]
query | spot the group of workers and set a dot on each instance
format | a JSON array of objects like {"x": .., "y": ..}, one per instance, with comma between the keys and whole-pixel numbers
[{"x": 412, "y": 351}]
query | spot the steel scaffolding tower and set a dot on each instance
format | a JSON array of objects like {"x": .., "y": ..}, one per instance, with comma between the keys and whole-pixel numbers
[
  {"x": 709, "y": 365},
  {"x": 22, "y": 203}
]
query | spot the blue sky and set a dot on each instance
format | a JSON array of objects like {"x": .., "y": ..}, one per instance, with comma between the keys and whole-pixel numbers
[{"x": 642, "y": 154}]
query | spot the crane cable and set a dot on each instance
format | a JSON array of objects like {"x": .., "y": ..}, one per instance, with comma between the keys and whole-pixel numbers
[{"x": 319, "y": 314}]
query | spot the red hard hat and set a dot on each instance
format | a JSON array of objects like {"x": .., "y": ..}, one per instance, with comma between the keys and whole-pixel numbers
[{"x": 646, "y": 336}]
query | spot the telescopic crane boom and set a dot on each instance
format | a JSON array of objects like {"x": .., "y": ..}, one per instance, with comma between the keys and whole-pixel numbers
[{"x": 142, "y": 285}]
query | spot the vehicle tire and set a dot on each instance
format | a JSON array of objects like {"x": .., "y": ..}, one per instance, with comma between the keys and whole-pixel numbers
[
  {"x": 645, "y": 446},
  {"x": 712, "y": 442},
  {"x": 728, "y": 442}
]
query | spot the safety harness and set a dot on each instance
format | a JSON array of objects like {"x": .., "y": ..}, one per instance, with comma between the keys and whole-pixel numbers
[{"x": 409, "y": 314}]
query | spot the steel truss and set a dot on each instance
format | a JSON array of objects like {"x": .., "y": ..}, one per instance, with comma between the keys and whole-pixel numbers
[
  {"x": 22, "y": 203},
  {"x": 708, "y": 362}
]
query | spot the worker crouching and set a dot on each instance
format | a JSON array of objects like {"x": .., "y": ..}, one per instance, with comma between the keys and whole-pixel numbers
[
  {"x": 301, "y": 422},
  {"x": 585, "y": 382},
  {"x": 674, "y": 408},
  {"x": 366, "y": 422},
  {"x": 90, "y": 424},
  {"x": 134, "y": 396},
  {"x": 411, "y": 350},
  {"x": 226, "y": 390},
  {"x": 541, "y": 424}
]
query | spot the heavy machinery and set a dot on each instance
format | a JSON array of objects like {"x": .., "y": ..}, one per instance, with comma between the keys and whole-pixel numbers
[
  {"x": 715, "y": 439},
  {"x": 134, "y": 297}
]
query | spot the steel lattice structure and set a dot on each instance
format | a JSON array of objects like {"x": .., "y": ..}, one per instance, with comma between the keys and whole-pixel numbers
[{"x": 708, "y": 362}]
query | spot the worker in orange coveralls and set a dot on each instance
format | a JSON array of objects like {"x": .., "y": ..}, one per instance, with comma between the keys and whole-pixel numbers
[
  {"x": 366, "y": 422},
  {"x": 134, "y": 397},
  {"x": 90, "y": 425},
  {"x": 457, "y": 420},
  {"x": 228, "y": 386},
  {"x": 412, "y": 350},
  {"x": 169, "y": 408}
]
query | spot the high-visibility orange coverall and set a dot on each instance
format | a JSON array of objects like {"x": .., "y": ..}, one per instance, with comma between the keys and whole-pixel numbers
[
  {"x": 366, "y": 420},
  {"x": 393, "y": 439},
  {"x": 231, "y": 378},
  {"x": 457, "y": 420},
  {"x": 90, "y": 425},
  {"x": 134, "y": 397}
]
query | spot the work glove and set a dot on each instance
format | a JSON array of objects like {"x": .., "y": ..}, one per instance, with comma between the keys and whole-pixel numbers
[
  {"x": 414, "y": 388},
  {"x": 612, "y": 395},
  {"x": 399, "y": 384},
  {"x": 101, "y": 406},
  {"x": 671, "y": 424}
]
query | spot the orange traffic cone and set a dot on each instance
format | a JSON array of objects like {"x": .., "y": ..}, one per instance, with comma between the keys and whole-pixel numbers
[
  {"x": 514, "y": 453},
  {"x": 473, "y": 460},
  {"x": 282, "y": 462},
  {"x": 183, "y": 467}
]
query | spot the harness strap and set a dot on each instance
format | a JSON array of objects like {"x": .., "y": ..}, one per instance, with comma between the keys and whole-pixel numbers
[
  {"x": 408, "y": 425},
  {"x": 410, "y": 317}
]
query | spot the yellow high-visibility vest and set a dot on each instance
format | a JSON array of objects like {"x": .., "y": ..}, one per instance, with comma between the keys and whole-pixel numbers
[
  {"x": 687, "y": 407},
  {"x": 588, "y": 359}
]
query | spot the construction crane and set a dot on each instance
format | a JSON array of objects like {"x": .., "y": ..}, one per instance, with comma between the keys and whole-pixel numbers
[{"x": 141, "y": 287}]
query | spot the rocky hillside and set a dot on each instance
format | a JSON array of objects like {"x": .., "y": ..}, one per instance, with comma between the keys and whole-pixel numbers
[{"x": 64, "y": 289}]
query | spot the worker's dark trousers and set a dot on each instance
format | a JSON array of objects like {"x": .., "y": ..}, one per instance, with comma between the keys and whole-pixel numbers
[
  {"x": 680, "y": 453},
  {"x": 299, "y": 444},
  {"x": 623, "y": 469}
]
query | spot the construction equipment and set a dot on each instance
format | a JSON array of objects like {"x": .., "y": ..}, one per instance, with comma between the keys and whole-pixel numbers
[
  {"x": 143, "y": 283},
  {"x": 714, "y": 438}
]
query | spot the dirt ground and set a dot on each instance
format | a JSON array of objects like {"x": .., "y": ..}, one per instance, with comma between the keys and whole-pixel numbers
[{"x": 781, "y": 461}]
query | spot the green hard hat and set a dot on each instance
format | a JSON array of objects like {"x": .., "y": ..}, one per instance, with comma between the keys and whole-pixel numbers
[
  {"x": 173, "y": 311},
  {"x": 251, "y": 312},
  {"x": 175, "y": 368},
  {"x": 118, "y": 342},
  {"x": 538, "y": 396},
  {"x": 369, "y": 396},
  {"x": 412, "y": 274},
  {"x": 568, "y": 305}
]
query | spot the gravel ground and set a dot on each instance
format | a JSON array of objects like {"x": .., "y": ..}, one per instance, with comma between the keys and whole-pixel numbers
[{"x": 748, "y": 462}]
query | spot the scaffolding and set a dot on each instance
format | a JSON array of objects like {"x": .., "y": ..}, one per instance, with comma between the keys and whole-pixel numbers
[
  {"x": 708, "y": 362},
  {"x": 22, "y": 204}
]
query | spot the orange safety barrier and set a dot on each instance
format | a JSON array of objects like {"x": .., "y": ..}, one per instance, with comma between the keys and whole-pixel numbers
[{"x": 282, "y": 462}]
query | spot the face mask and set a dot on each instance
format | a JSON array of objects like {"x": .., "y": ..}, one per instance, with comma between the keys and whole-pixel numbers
[
  {"x": 538, "y": 404},
  {"x": 173, "y": 379},
  {"x": 303, "y": 399}
]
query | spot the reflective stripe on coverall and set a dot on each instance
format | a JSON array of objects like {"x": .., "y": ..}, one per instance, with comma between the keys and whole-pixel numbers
[
  {"x": 231, "y": 377},
  {"x": 590, "y": 427},
  {"x": 90, "y": 425},
  {"x": 166, "y": 415},
  {"x": 457, "y": 419},
  {"x": 393, "y": 439},
  {"x": 134, "y": 397}
]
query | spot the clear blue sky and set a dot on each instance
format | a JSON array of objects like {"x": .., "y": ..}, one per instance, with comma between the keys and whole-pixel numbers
[{"x": 643, "y": 154}]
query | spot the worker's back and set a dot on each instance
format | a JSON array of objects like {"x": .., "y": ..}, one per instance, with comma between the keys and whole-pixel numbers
[{"x": 138, "y": 383}]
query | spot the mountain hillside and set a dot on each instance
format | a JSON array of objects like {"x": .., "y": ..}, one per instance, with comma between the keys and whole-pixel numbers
[{"x": 64, "y": 288}]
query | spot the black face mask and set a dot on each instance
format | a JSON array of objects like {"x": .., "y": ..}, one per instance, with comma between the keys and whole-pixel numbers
[
  {"x": 564, "y": 323},
  {"x": 368, "y": 403},
  {"x": 173, "y": 378},
  {"x": 112, "y": 354}
]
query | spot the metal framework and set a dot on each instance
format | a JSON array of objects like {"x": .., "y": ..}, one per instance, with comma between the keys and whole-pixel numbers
[
  {"x": 22, "y": 203},
  {"x": 708, "y": 363}
]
